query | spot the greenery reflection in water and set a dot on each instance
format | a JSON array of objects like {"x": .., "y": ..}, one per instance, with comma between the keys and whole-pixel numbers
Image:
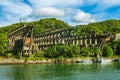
[{"x": 60, "y": 72}]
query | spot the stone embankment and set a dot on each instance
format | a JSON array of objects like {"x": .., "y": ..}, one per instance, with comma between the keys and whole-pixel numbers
[
  {"x": 26, "y": 61},
  {"x": 23, "y": 61}
]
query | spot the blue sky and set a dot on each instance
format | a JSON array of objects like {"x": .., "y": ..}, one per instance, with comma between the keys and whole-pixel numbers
[{"x": 73, "y": 12}]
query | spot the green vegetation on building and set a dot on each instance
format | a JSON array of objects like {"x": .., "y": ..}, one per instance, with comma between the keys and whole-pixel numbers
[{"x": 110, "y": 27}]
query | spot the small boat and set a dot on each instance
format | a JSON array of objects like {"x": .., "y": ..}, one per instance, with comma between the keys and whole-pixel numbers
[
  {"x": 117, "y": 60},
  {"x": 106, "y": 60},
  {"x": 102, "y": 60},
  {"x": 84, "y": 61}
]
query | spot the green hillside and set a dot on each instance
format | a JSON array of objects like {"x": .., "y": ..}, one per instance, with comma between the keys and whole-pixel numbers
[
  {"x": 108, "y": 26},
  {"x": 40, "y": 26}
]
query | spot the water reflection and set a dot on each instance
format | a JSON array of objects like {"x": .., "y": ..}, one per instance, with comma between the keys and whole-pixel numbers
[{"x": 61, "y": 72}]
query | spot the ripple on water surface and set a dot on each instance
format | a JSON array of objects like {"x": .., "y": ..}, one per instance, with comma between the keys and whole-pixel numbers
[{"x": 60, "y": 72}]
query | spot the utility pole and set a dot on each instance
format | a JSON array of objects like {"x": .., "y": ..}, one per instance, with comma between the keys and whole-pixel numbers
[{"x": 20, "y": 19}]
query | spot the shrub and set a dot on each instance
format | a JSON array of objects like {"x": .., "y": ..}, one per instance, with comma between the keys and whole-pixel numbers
[{"x": 107, "y": 51}]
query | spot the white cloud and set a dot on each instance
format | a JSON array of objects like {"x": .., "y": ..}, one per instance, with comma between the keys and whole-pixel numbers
[
  {"x": 17, "y": 8},
  {"x": 111, "y": 2},
  {"x": 105, "y": 16},
  {"x": 83, "y": 17},
  {"x": 48, "y": 3},
  {"x": 48, "y": 12},
  {"x": 106, "y": 4},
  {"x": 117, "y": 14},
  {"x": 91, "y": 2},
  {"x": 4, "y": 23},
  {"x": 9, "y": 19},
  {"x": 13, "y": 10}
]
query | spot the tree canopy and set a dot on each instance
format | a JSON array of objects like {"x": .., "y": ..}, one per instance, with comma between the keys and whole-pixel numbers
[{"x": 108, "y": 26}]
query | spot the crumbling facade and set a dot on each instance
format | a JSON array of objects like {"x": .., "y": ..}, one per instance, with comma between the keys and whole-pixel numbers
[{"x": 22, "y": 39}]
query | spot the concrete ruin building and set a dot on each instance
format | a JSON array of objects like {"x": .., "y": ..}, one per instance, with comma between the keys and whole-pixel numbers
[{"x": 23, "y": 40}]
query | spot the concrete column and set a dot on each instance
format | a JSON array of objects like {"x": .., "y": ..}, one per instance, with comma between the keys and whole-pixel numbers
[{"x": 95, "y": 41}]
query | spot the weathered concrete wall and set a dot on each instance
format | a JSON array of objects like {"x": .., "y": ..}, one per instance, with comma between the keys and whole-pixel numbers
[{"x": 117, "y": 36}]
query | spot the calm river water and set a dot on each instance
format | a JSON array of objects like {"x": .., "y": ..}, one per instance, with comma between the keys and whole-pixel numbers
[{"x": 60, "y": 72}]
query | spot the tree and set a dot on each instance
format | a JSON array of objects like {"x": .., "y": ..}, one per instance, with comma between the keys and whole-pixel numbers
[
  {"x": 98, "y": 52},
  {"x": 107, "y": 51},
  {"x": 86, "y": 51},
  {"x": 62, "y": 51},
  {"x": 3, "y": 43},
  {"x": 73, "y": 51},
  {"x": 116, "y": 46}
]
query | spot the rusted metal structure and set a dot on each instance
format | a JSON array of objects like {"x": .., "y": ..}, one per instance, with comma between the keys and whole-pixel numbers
[{"x": 22, "y": 39}]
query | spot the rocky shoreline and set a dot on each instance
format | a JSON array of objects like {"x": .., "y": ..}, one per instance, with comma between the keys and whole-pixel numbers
[
  {"x": 23, "y": 61},
  {"x": 45, "y": 61}
]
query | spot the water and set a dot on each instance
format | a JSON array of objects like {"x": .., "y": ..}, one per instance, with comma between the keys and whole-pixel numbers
[{"x": 60, "y": 72}]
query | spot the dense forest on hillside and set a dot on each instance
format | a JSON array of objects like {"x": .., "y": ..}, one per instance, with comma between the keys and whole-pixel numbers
[
  {"x": 40, "y": 25},
  {"x": 108, "y": 26}
]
